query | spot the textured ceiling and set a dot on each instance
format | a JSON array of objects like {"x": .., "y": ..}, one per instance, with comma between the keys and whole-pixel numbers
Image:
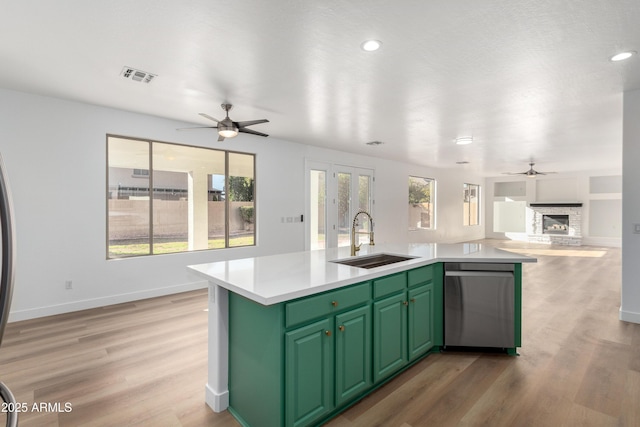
[{"x": 529, "y": 79}]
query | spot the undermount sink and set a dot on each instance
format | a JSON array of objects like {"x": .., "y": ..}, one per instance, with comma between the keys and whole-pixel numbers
[{"x": 373, "y": 261}]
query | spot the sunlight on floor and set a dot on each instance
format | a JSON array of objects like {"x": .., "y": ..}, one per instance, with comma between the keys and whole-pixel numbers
[{"x": 558, "y": 252}]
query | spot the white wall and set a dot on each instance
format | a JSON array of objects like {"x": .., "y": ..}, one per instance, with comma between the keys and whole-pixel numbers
[
  {"x": 55, "y": 154},
  {"x": 600, "y": 208},
  {"x": 630, "y": 304}
]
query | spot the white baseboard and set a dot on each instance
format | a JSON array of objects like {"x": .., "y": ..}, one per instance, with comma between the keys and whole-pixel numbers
[
  {"x": 52, "y": 310},
  {"x": 629, "y": 316},
  {"x": 612, "y": 242},
  {"x": 217, "y": 401}
]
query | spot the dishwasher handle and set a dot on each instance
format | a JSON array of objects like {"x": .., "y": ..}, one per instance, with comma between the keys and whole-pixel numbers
[{"x": 478, "y": 274}]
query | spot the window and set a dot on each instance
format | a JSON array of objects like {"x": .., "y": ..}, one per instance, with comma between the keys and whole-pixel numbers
[
  {"x": 166, "y": 198},
  {"x": 421, "y": 203},
  {"x": 471, "y": 205}
]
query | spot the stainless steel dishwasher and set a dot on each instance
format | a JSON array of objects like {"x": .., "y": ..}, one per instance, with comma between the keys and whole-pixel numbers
[{"x": 479, "y": 305}]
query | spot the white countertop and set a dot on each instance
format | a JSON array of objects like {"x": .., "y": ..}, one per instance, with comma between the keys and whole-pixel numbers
[{"x": 276, "y": 278}]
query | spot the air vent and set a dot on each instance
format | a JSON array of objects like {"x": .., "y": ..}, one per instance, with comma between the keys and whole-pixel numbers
[
  {"x": 375, "y": 143},
  {"x": 137, "y": 75}
]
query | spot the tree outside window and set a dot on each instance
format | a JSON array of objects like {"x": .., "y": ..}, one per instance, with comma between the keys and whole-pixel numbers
[{"x": 421, "y": 203}]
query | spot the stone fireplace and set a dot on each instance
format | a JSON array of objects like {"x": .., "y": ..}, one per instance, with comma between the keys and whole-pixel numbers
[{"x": 555, "y": 223}]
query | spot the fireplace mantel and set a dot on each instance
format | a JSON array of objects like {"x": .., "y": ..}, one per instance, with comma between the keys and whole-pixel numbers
[{"x": 555, "y": 205}]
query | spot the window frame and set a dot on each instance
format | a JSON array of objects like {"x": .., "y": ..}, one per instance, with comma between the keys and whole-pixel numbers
[
  {"x": 432, "y": 202},
  {"x": 467, "y": 190},
  {"x": 151, "y": 190}
]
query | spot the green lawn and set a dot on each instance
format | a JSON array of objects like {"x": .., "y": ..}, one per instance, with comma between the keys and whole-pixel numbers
[{"x": 120, "y": 251}]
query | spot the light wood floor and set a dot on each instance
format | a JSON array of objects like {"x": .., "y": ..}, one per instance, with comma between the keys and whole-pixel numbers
[{"x": 144, "y": 363}]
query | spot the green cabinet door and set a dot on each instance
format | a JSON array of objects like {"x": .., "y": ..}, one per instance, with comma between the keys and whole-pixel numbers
[
  {"x": 420, "y": 320},
  {"x": 389, "y": 335},
  {"x": 353, "y": 353},
  {"x": 309, "y": 369}
]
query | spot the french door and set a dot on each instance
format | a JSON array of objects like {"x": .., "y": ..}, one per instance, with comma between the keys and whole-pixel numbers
[{"x": 335, "y": 193}]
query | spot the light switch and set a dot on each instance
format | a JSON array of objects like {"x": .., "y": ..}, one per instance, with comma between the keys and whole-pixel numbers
[{"x": 636, "y": 228}]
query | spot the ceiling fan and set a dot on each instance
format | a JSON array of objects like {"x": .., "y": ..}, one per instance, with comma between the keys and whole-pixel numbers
[
  {"x": 531, "y": 173},
  {"x": 227, "y": 128}
]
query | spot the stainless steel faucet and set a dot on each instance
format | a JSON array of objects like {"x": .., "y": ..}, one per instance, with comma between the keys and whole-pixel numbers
[{"x": 355, "y": 248}]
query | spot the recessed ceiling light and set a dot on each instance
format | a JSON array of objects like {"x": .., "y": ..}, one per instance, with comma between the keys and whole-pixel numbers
[
  {"x": 371, "y": 45},
  {"x": 622, "y": 56},
  {"x": 464, "y": 140}
]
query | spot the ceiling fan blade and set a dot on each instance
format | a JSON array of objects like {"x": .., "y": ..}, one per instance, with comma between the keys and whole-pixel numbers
[
  {"x": 199, "y": 127},
  {"x": 251, "y": 122},
  {"x": 252, "y": 132},
  {"x": 209, "y": 117},
  {"x": 220, "y": 138}
]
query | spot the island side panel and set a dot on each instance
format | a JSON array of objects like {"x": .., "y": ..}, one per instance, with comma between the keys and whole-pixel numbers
[
  {"x": 217, "y": 388},
  {"x": 256, "y": 362},
  {"x": 438, "y": 305},
  {"x": 518, "y": 305}
]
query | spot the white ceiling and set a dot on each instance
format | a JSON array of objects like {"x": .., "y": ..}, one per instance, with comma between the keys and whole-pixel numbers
[{"x": 529, "y": 79}]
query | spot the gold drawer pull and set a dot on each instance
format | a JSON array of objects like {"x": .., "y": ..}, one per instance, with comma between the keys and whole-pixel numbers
[
  {"x": 334, "y": 303},
  {"x": 341, "y": 327},
  {"x": 327, "y": 333}
]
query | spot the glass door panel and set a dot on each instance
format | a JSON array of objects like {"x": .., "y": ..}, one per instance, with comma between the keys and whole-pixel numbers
[
  {"x": 364, "y": 203},
  {"x": 345, "y": 215},
  {"x": 318, "y": 211}
]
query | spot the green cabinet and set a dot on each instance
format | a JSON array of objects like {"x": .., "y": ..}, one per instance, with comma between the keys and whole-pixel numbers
[
  {"x": 300, "y": 362},
  {"x": 353, "y": 354},
  {"x": 309, "y": 373},
  {"x": 390, "y": 335},
  {"x": 420, "y": 320},
  {"x": 403, "y": 322},
  {"x": 327, "y": 364}
]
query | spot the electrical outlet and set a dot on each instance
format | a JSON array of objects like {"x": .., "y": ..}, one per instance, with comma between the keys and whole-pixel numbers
[{"x": 68, "y": 284}]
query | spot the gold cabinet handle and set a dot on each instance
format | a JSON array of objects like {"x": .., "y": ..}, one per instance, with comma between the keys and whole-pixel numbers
[
  {"x": 405, "y": 303},
  {"x": 334, "y": 303},
  {"x": 341, "y": 327},
  {"x": 327, "y": 333},
  {"x": 413, "y": 300}
]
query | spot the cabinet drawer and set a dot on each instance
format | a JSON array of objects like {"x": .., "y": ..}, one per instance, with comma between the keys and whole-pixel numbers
[
  {"x": 389, "y": 285},
  {"x": 420, "y": 275},
  {"x": 331, "y": 302}
]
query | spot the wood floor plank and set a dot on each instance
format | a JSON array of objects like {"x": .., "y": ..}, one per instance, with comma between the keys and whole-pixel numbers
[{"x": 145, "y": 362}]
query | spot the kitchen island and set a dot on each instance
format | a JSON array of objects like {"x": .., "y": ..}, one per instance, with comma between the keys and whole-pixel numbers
[{"x": 295, "y": 338}]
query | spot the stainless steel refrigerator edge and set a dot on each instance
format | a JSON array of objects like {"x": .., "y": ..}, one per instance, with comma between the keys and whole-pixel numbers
[
  {"x": 7, "y": 232},
  {"x": 479, "y": 305}
]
